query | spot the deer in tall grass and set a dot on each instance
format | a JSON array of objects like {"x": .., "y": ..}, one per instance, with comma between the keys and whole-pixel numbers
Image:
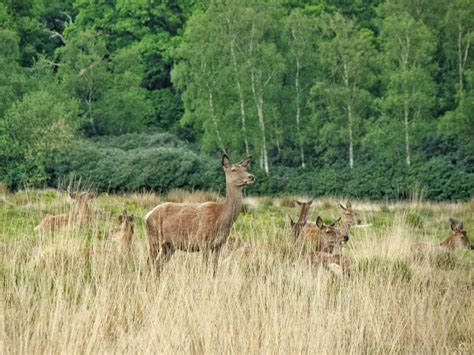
[
  {"x": 302, "y": 219},
  {"x": 349, "y": 216},
  {"x": 79, "y": 214},
  {"x": 197, "y": 227},
  {"x": 322, "y": 239},
  {"x": 458, "y": 238},
  {"x": 321, "y": 236},
  {"x": 124, "y": 232}
]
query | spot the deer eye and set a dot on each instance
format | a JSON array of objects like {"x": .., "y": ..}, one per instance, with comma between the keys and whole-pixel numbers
[{"x": 233, "y": 169}]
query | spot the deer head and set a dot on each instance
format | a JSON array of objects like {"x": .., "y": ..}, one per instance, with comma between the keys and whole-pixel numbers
[
  {"x": 237, "y": 174},
  {"x": 350, "y": 218},
  {"x": 125, "y": 218},
  {"x": 331, "y": 234},
  {"x": 459, "y": 236}
]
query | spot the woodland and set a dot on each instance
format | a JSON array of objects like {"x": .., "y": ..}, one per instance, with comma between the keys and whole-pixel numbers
[{"x": 366, "y": 98}]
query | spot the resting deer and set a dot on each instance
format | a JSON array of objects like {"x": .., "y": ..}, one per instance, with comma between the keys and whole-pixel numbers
[
  {"x": 197, "y": 227},
  {"x": 459, "y": 237},
  {"x": 323, "y": 237},
  {"x": 124, "y": 232},
  {"x": 349, "y": 217},
  {"x": 80, "y": 214},
  {"x": 302, "y": 219}
]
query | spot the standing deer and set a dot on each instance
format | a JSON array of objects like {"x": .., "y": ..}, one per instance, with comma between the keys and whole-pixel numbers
[
  {"x": 197, "y": 227},
  {"x": 80, "y": 214},
  {"x": 459, "y": 237}
]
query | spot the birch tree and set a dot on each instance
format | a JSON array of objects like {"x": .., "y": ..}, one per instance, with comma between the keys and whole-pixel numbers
[
  {"x": 346, "y": 57},
  {"x": 408, "y": 47},
  {"x": 299, "y": 35},
  {"x": 198, "y": 76}
]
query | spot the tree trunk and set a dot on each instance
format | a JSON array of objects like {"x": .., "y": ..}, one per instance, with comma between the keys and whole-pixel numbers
[
  {"x": 460, "y": 61},
  {"x": 349, "y": 116},
  {"x": 407, "y": 137},
  {"x": 239, "y": 89},
  {"x": 89, "y": 106},
  {"x": 351, "y": 148},
  {"x": 214, "y": 120},
  {"x": 298, "y": 129},
  {"x": 261, "y": 121}
]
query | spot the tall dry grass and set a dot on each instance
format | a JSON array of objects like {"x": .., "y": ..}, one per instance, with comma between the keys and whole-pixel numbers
[{"x": 55, "y": 300}]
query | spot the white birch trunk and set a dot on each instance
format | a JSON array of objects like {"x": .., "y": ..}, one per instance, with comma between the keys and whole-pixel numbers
[
  {"x": 298, "y": 110},
  {"x": 239, "y": 89},
  {"x": 214, "y": 120}
]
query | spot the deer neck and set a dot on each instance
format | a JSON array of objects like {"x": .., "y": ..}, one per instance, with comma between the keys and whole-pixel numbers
[
  {"x": 231, "y": 206},
  {"x": 303, "y": 214}
]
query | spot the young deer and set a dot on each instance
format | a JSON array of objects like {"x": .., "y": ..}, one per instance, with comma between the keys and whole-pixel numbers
[
  {"x": 349, "y": 217},
  {"x": 197, "y": 227},
  {"x": 459, "y": 237},
  {"x": 323, "y": 237},
  {"x": 80, "y": 214},
  {"x": 124, "y": 232}
]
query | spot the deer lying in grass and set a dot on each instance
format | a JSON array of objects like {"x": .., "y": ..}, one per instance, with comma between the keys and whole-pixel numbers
[
  {"x": 323, "y": 237},
  {"x": 197, "y": 227},
  {"x": 459, "y": 237},
  {"x": 80, "y": 214},
  {"x": 124, "y": 232},
  {"x": 349, "y": 216},
  {"x": 336, "y": 263}
]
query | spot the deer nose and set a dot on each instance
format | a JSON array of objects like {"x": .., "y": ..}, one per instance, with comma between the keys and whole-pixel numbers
[
  {"x": 251, "y": 177},
  {"x": 359, "y": 221},
  {"x": 346, "y": 238}
]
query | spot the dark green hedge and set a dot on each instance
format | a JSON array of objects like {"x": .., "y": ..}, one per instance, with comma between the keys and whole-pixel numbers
[{"x": 160, "y": 162}]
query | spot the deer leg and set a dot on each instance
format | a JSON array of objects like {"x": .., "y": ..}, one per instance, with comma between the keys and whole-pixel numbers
[{"x": 166, "y": 251}]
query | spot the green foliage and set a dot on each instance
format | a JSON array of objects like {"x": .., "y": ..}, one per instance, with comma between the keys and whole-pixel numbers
[
  {"x": 33, "y": 133},
  {"x": 139, "y": 162},
  {"x": 364, "y": 99}
]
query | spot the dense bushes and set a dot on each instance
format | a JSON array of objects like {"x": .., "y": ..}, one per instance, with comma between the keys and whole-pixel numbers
[
  {"x": 161, "y": 162},
  {"x": 136, "y": 161}
]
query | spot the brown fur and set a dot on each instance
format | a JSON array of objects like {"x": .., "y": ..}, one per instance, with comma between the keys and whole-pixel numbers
[
  {"x": 325, "y": 259},
  {"x": 124, "y": 232},
  {"x": 80, "y": 214},
  {"x": 302, "y": 219},
  {"x": 349, "y": 216},
  {"x": 197, "y": 227},
  {"x": 322, "y": 237},
  {"x": 458, "y": 239}
]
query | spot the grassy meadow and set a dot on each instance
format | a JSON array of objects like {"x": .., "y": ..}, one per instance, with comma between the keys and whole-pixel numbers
[{"x": 262, "y": 300}]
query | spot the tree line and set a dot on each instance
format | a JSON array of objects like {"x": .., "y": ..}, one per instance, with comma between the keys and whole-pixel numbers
[{"x": 312, "y": 89}]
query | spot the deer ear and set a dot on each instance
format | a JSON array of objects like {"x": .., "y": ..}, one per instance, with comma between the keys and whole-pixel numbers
[
  {"x": 341, "y": 206},
  {"x": 311, "y": 201},
  {"x": 246, "y": 161},
  {"x": 120, "y": 218},
  {"x": 298, "y": 202},
  {"x": 225, "y": 161},
  {"x": 319, "y": 222},
  {"x": 348, "y": 204},
  {"x": 336, "y": 222}
]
